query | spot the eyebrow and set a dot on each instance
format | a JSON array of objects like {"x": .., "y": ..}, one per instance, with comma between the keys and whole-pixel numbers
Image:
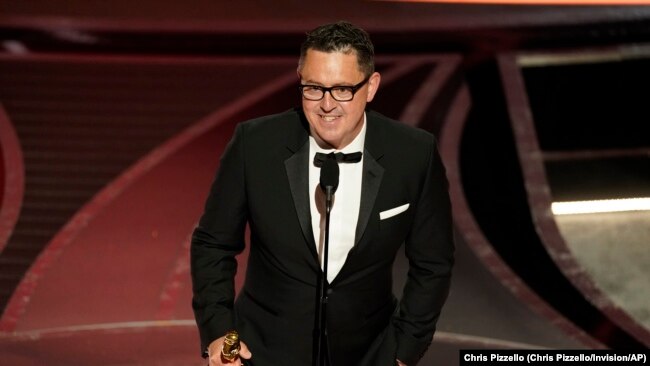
[{"x": 315, "y": 83}]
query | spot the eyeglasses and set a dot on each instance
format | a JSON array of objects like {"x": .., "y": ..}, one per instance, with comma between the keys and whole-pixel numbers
[{"x": 342, "y": 93}]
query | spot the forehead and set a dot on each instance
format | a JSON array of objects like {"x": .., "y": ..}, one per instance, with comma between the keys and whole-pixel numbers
[{"x": 331, "y": 66}]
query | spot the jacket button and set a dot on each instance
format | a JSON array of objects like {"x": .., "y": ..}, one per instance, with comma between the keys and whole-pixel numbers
[{"x": 329, "y": 291}]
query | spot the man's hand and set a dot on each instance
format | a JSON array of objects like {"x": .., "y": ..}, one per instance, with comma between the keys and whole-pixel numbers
[{"x": 214, "y": 354}]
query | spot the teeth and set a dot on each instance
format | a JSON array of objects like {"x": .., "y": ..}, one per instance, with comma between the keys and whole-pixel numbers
[{"x": 329, "y": 118}]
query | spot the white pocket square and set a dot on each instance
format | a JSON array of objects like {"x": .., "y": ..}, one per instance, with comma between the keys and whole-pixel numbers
[{"x": 393, "y": 211}]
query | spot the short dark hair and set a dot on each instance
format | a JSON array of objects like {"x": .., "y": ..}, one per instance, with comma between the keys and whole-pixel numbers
[{"x": 341, "y": 37}]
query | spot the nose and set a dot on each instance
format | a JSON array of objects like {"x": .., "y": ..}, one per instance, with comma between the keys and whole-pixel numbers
[{"x": 328, "y": 103}]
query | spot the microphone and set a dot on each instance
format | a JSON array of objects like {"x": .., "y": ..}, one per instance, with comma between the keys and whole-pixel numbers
[{"x": 329, "y": 176}]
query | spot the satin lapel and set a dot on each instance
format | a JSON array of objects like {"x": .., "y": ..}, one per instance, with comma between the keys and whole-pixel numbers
[
  {"x": 372, "y": 174},
  {"x": 298, "y": 174}
]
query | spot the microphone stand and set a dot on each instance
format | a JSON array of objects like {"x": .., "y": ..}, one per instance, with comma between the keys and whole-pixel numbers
[
  {"x": 329, "y": 181},
  {"x": 320, "y": 354}
]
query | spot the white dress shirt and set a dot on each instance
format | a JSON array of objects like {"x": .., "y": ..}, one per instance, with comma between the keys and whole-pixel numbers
[{"x": 345, "y": 207}]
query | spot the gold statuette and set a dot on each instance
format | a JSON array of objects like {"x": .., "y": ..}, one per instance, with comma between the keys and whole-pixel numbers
[{"x": 231, "y": 346}]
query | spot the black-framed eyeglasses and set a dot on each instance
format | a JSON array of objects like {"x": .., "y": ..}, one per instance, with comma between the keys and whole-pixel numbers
[{"x": 340, "y": 93}]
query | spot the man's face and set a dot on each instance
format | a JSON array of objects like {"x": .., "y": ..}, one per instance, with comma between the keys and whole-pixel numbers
[{"x": 332, "y": 122}]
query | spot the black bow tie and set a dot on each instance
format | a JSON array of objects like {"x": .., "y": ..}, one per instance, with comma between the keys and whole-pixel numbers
[{"x": 340, "y": 157}]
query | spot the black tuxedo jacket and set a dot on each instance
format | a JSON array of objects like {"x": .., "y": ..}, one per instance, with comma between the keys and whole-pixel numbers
[{"x": 263, "y": 181}]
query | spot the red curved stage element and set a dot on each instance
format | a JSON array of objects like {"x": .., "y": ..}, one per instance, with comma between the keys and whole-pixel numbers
[
  {"x": 450, "y": 141},
  {"x": 539, "y": 198},
  {"x": 12, "y": 178},
  {"x": 123, "y": 256}
]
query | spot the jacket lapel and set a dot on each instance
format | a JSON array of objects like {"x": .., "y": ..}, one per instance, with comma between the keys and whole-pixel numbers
[
  {"x": 298, "y": 175},
  {"x": 372, "y": 174}
]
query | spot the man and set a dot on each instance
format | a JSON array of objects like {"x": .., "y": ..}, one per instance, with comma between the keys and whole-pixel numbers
[{"x": 396, "y": 194}]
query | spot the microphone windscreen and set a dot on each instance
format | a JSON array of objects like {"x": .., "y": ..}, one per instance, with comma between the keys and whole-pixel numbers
[{"x": 329, "y": 174}]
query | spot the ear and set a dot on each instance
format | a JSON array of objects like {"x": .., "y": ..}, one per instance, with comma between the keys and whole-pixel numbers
[{"x": 373, "y": 85}]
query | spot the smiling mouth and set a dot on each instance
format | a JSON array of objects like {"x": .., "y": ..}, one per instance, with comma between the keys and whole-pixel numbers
[{"x": 329, "y": 118}]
